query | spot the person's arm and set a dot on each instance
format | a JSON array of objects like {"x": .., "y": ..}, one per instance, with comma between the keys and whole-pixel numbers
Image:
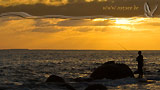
[
  {"x": 137, "y": 59},
  {"x": 142, "y": 61}
]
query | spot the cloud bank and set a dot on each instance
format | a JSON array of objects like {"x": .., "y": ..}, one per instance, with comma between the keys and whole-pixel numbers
[
  {"x": 46, "y": 2},
  {"x": 119, "y": 8}
]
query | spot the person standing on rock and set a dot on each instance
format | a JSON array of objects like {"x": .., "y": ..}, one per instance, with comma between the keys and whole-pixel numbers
[{"x": 139, "y": 59}]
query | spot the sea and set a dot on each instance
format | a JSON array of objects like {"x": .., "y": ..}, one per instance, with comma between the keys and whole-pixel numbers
[{"x": 23, "y": 69}]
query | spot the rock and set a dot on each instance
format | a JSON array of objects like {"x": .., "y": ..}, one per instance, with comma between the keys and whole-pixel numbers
[
  {"x": 136, "y": 72},
  {"x": 59, "y": 82},
  {"x": 96, "y": 87},
  {"x": 69, "y": 87},
  {"x": 111, "y": 70},
  {"x": 83, "y": 79},
  {"x": 55, "y": 79}
]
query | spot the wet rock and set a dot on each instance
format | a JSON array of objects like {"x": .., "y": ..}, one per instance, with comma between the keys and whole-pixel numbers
[
  {"x": 96, "y": 87},
  {"x": 69, "y": 87},
  {"x": 55, "y": 79},
  {"x": 83, "y": 79},
  {"x": 111, "y": 70},
  {"x": 59, "y": 82},
  {"x": 136, "y": 72}
]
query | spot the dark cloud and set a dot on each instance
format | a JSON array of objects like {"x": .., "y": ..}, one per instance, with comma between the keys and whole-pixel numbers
[
  {"x": 75, "y": 1},
  {"x": 82, "y": 9},
  {"x": 43, "y": 23},
  {"x": 84, "y": 29},
  {"x": 83, "y": 23}
]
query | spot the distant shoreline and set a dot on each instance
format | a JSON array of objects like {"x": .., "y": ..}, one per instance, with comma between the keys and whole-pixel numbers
[{"x": 68, "y": 50}]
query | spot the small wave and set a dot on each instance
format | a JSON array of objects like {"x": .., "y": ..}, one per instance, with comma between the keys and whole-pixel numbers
[{"x": 108, "y": 82}]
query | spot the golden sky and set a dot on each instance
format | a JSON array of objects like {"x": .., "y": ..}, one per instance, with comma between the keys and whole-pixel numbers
[{"x": 98, "y": 34}]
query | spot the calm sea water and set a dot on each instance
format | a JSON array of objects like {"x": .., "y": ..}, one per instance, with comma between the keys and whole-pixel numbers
[{"x": 28, "y": 69}]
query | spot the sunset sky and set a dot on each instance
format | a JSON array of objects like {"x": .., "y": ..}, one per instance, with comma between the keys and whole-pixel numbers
[
  {"x": 99, "y": 34},
  {"x": 116, "y": 33}
]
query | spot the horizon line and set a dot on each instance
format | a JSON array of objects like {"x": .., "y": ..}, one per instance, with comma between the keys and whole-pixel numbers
[{"x": 86, "y": 49}]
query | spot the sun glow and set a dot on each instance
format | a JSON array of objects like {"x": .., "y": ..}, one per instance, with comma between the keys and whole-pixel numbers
[
  {"x": 120, "y": 21},
  {"x": 126, "y": 27},
  {"x": 123, "y": 21},
  {"x": 99, "y": 19}
]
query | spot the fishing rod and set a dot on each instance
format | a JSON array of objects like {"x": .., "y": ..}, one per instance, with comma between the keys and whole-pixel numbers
[
  {"x": 125, "y": 49},
  {"x": 144, "y": 66}
]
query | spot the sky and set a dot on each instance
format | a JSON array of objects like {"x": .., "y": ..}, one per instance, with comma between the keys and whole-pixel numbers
[
  {"x": 117, "y": 33},
  {"x": 116, "y": 8},
  {"x": 95, "y": 34}
]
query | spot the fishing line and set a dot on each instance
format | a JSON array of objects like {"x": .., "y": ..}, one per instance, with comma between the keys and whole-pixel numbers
[{"x": 144, "y": 66}]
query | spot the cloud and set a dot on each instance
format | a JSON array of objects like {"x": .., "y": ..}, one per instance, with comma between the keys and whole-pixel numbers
[
  {"x": 152, "y": 22},
  {"x": 49, "y": 29},
  {"x": 47, "y": 2},
  {"x": 77, "y": 34},
  {"x": 83, "y": 23},
  {"x": 76, "y": 7},
  {"x": 45, "y": 7},
  {"x": 19, "y": 25},
  {"x": 16, "y": 24},
  {"x": 18, "y": 2},
  {"x": 44, "y": 23}
]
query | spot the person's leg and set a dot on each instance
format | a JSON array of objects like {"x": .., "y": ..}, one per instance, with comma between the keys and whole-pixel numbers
[
  {"x": 140, "y": 76},
  {"x": 140, "y": 71}
]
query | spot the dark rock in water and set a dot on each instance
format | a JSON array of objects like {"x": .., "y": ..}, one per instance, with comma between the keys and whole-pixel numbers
[
  {"x": 69, "y": 87},
  {"x": 59, "y": 81},
  {"x": 96, "y": 87},
  {"x": 111, "y": 70},
  {"x": 4, "y": 88},
  {"x": 83, "y": 79},
  {"x": 55, "y": 79},
  {"x": 136, "y": 72}
]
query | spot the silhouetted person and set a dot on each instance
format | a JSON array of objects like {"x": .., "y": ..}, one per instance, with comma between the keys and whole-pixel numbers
[{"x": 139, "y": 59}]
